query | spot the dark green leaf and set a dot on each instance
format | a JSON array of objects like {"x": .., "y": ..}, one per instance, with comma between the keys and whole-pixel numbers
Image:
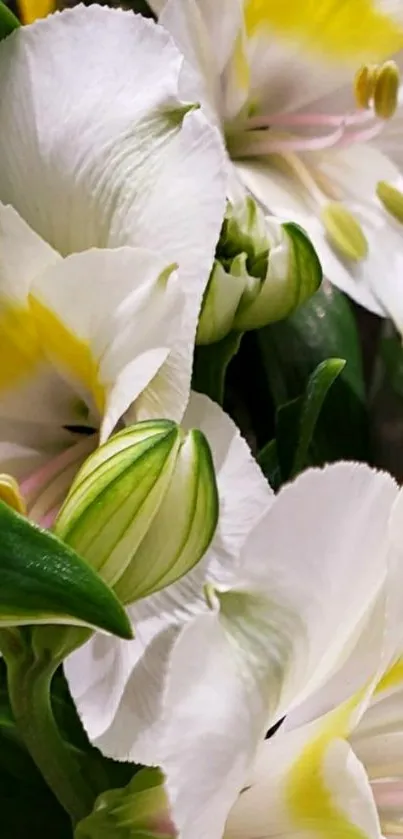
[
  {"x": 8, "y": 21},
  {"x": 42, "y": 580},
  {"x": 268, "y": 461},
  {"x": 319, "y": 384},
  {"x": 386, "y": 403},
  {"x": 140, "y": 7},
  {"x": 290, "y": 351},
  {"x": 210, "y": 366},
  {"x": 288, "y": 419}
]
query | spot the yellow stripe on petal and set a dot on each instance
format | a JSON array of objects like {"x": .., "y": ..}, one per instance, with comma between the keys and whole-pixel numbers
[
  {"x": 340, "y": 29},
  {"x": 310, "y": 802},
  {"x": 71, "y": 353},
  {"x": 20, "y": 350},
  {"x": 241, "y": 64},
  {"x": 393, "y": 678},
  {"x": 30, "y": 10}
]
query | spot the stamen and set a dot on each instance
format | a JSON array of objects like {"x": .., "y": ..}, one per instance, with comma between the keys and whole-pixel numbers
[
  {"x": 365, "y": 84},
  {"x": 378, "y": 85},
  {"x": 304, "y": 176},
  {"x": 11, "y": 495},
  {"x": 392, "y": 199},
  {"x": 344, "y": 231}
]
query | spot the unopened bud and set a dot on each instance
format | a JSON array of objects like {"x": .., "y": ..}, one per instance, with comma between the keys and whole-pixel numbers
[
  {"x": 293, "y": 274},
  {"x": 137, "y": 811},
  {"x": 143, "y": 508},
  {"x": 262, "y": 272},
  {"x": 344, "y": 231}
]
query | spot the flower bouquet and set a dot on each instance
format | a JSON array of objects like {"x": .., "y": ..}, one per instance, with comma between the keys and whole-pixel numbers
[{"x": 201, "y": 420}]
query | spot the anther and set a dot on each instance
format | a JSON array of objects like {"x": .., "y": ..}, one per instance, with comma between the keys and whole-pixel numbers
[
  {"x": 377, "y": 86},
  {"x": 391, "y": 198},
  {"x": 344, "y": 231}
]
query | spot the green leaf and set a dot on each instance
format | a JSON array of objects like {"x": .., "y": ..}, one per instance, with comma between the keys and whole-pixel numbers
[
  {"x": 8, "y": 21},
  {"x": 269, "y": 464},
  {"x": 319, "y": 384},
  {"x": 386, "y": 403},
  {"x": 42, "y": 580},
  {"x": 210, "y": 366},
  {"x": 290, "y": 351}
]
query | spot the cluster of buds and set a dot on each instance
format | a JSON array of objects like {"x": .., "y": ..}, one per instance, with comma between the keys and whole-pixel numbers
[{"x": 263, "y": 270}]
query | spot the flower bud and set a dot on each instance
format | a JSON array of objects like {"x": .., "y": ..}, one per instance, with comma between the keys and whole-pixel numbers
[
  {"x": 141, "y": 809},
  {"x": 143, "y": 508},
  {"x": 263, "y": 270}
]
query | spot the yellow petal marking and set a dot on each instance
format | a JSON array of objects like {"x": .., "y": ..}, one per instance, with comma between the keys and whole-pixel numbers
[
  {"x": 241, "y": 64},
  {"x": 72, "y": 353},
  {"x": 20, "y": 350},
  {"x": 393, "y": 678},
  {"x": 339, "y": 29},
  {"x": 309, "y": 800},
  {"x": 30, "y": 10}
]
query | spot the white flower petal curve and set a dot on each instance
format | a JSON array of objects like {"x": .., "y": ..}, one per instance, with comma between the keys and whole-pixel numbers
[
  {"x": 320, "y": 551},
  {"x": 111, "y": 155},
  {"x": 107, "y": 320}
]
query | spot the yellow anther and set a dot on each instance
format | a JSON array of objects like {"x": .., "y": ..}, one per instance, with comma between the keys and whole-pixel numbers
[
  {"x": 344, "y": 231},
  {"x": 377, "y": 86},
  {"x": 392, "y": 199},
  {"x": 364, "y": 84},
  {"x": 10, "y": 494},
  {"x": 387, "y": 90}
]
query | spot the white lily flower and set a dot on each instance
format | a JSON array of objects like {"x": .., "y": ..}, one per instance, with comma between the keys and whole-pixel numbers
[
  {"x": 111, "y": 158},
  {"x": 100, "y": 148},
  {"x": 84, "y": 338},
  {"x": 251, "y": 632},
  {"x": 306, "y": 105},
  {"x": 339, "y": 772}
]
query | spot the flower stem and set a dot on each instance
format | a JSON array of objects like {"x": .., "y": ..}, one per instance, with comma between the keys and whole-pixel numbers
[{"x": 29, "y": 682}]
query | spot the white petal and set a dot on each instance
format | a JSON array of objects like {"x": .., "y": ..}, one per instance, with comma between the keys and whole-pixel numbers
[
  {"x": 107, "y": 156},
  {"x": 109, "y": 713},
  {"x": 306, "y": 783},
  {"x": 244, "y": 492},
  {"x": 320, "y": 551},
  {"x": 111, "y": 345}
]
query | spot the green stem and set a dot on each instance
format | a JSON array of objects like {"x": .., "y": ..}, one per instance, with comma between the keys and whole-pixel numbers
[{"x": 29, "y": 682}]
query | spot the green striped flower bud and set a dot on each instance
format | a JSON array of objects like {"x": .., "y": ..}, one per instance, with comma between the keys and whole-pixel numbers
[
  {"x": 143, "y": 508},
  {"x": 263, "y": 270}
]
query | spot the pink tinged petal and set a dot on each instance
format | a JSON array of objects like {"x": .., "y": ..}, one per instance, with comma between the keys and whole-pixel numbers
[{"x": 45, "y": 490}]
